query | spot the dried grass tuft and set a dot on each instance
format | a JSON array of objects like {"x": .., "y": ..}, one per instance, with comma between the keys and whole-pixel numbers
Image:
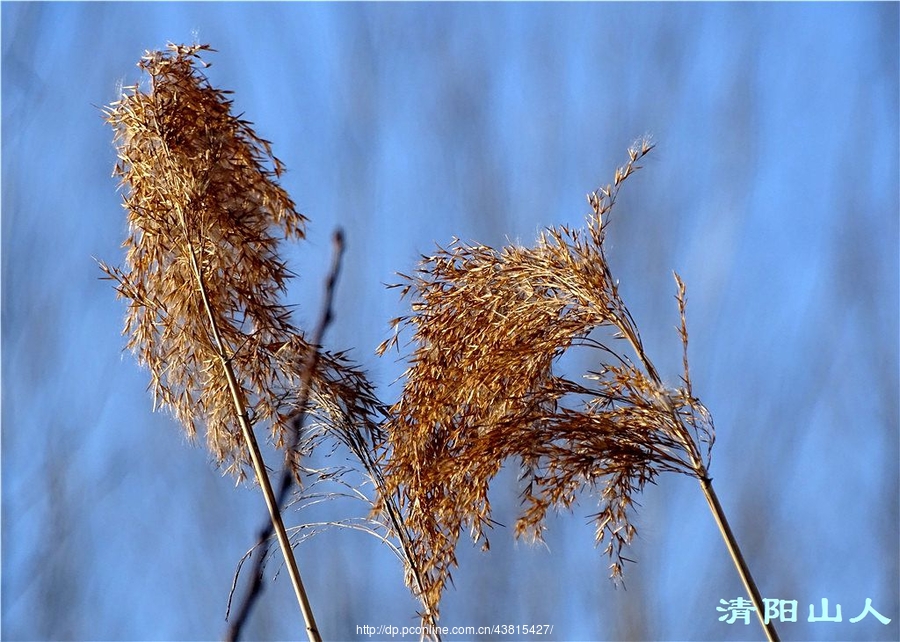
[
  {"x": 204, "y": 279},
  {"x": 202, "y": 271},
  {"x": 488, "y": 327}
]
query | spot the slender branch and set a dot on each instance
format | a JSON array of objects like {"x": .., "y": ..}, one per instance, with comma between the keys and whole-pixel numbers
[
  {"x": 312, "y": 361},
  {"x": 254, "y": 591}
]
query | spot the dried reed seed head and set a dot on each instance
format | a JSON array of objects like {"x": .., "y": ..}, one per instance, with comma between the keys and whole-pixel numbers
[
  {"x": 206, "y": 216},
  {"x": 487, "y": 328}
]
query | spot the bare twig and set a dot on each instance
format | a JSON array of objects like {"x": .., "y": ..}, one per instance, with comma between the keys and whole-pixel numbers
[{"x": 255, "y": 589}]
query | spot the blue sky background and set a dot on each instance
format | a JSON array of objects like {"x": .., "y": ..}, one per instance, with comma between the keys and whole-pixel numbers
[{"x": 773, "y": 192}]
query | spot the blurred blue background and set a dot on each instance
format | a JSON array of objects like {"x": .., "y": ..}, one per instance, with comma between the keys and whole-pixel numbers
[{"x": 773, "y": 192}]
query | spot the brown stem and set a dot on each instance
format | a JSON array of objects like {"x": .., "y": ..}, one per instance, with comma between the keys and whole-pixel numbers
[
  {"x": 739, "y": 562},
  {"x": 706, "y": 483},
  {"x": 256, "y": 459}
]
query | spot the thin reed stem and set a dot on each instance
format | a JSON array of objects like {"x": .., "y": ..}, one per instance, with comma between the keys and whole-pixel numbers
[
  {"x": 735, "y": 551},
  {"x": 700, "y": 470},
  {"x": 287, "y": 474},
  {"x": 256, "y": 459},
  {"x": 259, "y": 468}
]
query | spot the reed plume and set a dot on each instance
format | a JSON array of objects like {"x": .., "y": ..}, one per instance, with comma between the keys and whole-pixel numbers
[
  {"x": 203, "y": 277},
  {"x": 488, "y": 327}
]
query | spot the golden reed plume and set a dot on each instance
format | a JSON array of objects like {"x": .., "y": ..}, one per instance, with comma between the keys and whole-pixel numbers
[{"x": 488, "y": 327}]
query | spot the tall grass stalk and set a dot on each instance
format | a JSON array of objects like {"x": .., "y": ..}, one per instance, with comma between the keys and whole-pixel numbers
[
  {"x": 202, "y": 273},
  {"x": 203, "y": 279}
]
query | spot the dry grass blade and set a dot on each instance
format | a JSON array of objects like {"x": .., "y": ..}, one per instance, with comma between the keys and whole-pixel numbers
[{"x": 488, "y": 326}]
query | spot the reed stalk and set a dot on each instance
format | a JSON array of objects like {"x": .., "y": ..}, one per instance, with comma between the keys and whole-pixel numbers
[
  {"x": 203, "y": 280},
  {"x": 738, "y": 558},
  {"x": 256, "y": 458},
  {"x": 202, "y": 274},
  {"x": 488, "y": 327}
]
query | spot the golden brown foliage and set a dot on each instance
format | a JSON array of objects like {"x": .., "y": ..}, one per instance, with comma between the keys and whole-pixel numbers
[
  {"x": 488, "y": 326},
  {"x": 203, "y": 278},
  {"x": 202, "y": 271}
]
